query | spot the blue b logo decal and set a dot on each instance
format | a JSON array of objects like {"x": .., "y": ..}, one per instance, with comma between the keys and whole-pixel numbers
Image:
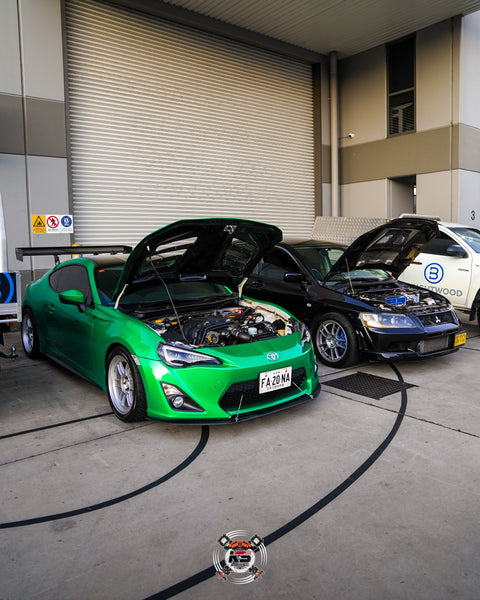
[{"x": 433, "y": 273}]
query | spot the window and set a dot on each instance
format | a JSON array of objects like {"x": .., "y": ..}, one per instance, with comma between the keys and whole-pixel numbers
[
  {"x": 276, "y": 264},
  {"x": 401, "y": 86},
  {"x": 439, "y": 245},
  {"x": 71, "y": 277}
]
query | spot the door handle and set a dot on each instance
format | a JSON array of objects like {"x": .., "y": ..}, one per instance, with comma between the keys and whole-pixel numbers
[
  {"x": 416, "y": 262},
  {"x": 51, "y": 308}
]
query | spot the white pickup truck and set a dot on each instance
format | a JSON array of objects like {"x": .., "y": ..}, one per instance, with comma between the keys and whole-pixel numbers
[{"x": 450, "y": 265}]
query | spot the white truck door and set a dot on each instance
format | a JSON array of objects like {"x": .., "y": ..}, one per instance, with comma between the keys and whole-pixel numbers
[{"x": 438, "y": 270}]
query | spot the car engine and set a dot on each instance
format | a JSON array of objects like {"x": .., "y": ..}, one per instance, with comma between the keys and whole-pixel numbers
[
  {"x": 223, "y": 327},
  {"x": 399, "y": 298}
]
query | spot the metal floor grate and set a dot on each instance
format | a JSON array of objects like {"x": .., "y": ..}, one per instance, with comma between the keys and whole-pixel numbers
[{"x": 364, "y": 384}]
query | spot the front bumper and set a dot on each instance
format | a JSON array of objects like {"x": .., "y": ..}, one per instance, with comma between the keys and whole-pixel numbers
[
  {"x": 380, "y": 345},
  {"x": 253, "y": 414},
  {"x": 229, "y": 392}
]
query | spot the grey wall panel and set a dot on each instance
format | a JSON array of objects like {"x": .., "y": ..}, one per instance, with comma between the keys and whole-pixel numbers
[
  {"x": 42, "y": 49},
  {"x": 46, "y": 128},
  {"x": 10, "y": 79},
  {"x": 48, "y": 189},
  {"x": 12, "y": 132},
  {"x": 15, "y": 210},
  {"x": 168, "y": 123}
]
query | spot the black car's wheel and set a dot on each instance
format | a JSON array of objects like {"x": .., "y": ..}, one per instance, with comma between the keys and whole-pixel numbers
[
  {"x": 335, "y": 340},
  {"x": 30, "y": 341},
  {"x": 125, "y": 387}
]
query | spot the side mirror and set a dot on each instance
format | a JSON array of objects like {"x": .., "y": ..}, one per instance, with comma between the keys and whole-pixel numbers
[
  {"x": 74, "y": 297},
  {"x": 456, "y": 251},
  {"x": 293, "y": 277}
]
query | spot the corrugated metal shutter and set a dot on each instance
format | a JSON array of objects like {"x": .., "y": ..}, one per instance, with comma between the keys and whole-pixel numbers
[{"x": 168, "y": 122}]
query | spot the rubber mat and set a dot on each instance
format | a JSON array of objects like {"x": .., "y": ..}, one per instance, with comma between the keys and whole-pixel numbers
[{"x": 364, "y": 384}]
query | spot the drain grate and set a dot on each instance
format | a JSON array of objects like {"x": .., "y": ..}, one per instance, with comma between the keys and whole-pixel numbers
[{"x": 364, "y": 384}]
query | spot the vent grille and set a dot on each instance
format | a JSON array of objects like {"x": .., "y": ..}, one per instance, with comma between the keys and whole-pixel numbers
[{"x": 247, "y": 394}]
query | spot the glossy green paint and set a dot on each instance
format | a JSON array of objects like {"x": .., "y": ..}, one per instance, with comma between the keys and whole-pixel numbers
[{"x": 81, "y": 337}]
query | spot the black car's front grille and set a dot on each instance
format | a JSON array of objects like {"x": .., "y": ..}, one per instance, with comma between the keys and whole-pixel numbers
[
  {"x": 434, "y": 319},
  {"x": 245, "y": 394}
]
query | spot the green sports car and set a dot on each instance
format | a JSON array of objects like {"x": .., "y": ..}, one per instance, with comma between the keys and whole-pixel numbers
[{"x": 165, "y": 331}]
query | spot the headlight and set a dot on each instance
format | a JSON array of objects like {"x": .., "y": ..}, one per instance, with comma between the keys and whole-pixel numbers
[
  {"x": 387, "y": 321},
  {"x": 177, "y": 356}
]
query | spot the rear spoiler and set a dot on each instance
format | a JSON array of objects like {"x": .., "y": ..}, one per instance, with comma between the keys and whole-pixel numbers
[{"x": 57, "y": 251}]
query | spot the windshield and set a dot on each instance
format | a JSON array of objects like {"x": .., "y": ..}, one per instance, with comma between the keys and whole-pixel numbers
[
  {"x": 106, "y": 279},
  {"x": 469, "y": 236},
  {"x": 321, "y": 259},
  {"x": 361, "y": 275},
  {"x": 155, "y": 293}
]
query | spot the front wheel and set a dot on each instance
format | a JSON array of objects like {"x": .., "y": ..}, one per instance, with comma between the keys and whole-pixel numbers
[
  {"x": 30, "y": 341},
  {"x": 335, "y": 340},
  {"x": 125, "y": 387}
]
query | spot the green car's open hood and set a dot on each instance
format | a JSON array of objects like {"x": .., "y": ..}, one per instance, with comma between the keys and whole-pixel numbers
[
  {"x": 224, "y": 250},
  {"x": 391, "y": 247}
]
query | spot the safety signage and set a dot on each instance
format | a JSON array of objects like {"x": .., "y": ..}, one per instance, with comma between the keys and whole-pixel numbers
[{"x": 52, "y": 223}]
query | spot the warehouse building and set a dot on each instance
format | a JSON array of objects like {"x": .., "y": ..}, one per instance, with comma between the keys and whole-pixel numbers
[{"x": 129, "y": 114}]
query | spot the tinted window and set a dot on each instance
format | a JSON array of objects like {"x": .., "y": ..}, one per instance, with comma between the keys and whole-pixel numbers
[
  {"x": 71, "y": 277},
  {"x": 275, "y": 264},
  {"x": 401, "y": 86},
  {"x": 439, "y": 245}
]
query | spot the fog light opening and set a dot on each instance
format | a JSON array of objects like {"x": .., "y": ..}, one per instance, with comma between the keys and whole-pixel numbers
[{"x": 177, "y": 402}]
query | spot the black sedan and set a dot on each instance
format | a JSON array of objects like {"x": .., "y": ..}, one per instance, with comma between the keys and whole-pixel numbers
[{"x": 351, "y": 298}]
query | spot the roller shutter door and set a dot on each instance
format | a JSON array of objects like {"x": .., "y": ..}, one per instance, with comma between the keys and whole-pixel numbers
[{"x": 167, "y": 122}]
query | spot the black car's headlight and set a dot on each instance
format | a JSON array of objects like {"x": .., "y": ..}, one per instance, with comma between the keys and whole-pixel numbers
[
  {"x": 178, "y": 356},
  {"x": 387, "y": 321}
]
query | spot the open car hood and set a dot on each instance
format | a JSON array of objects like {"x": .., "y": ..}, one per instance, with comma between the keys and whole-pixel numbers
[
  {"x": 223, "y": 250},
  {"x": 391, "y": 247}
]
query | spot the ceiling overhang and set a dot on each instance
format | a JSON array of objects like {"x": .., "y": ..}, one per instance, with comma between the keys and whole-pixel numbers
[{"x": 307, "y": 29}]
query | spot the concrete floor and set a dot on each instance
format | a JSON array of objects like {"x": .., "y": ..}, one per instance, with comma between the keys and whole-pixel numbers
[{"x": 354, "y": 500}]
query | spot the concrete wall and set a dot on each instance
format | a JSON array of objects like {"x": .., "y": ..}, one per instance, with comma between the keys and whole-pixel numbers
[
  {"x": 33, "y": 150},
  {"x": 443, "y": 152}
]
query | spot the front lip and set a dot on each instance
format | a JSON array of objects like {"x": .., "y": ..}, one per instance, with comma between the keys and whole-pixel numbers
[{"x": 254, "y": 414}]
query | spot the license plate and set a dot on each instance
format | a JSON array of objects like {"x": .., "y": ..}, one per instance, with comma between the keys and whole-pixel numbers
[
  {"x": 460, "y": 338},
  {"x": 269, "y": 381}
]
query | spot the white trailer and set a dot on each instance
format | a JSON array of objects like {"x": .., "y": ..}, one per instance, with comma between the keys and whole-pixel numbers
[{"x": 10, "y": 290}]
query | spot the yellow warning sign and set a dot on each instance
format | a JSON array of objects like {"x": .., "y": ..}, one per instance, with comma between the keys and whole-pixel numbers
[{"x": 38, "y": 224}]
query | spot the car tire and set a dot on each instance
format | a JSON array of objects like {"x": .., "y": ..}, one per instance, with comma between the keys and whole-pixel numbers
[
  {"x": 335, "y": 340},
  {"x": 125, "y": 389},
  {"x": 30, "y": 339}
]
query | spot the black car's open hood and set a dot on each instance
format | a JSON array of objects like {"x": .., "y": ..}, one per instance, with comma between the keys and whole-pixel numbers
[
  {"x": 391, "y": 247},
  {"x": 224, "y": 250}
]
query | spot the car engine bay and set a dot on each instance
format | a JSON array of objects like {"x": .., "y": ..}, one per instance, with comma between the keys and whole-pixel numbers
[
  {"x": 226, "y": 326},
  {"x": 398, "y": 297}
]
